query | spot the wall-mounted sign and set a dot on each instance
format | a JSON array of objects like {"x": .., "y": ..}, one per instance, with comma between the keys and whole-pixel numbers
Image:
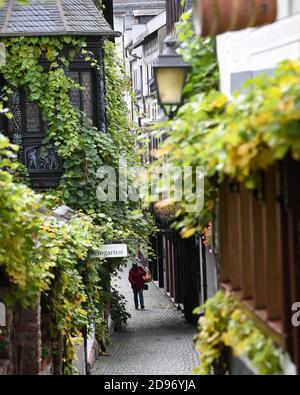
[{"x": 110, "y": 251}]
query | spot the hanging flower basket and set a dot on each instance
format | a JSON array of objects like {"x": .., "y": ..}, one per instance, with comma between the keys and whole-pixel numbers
[{"x": 214, "y": 17}]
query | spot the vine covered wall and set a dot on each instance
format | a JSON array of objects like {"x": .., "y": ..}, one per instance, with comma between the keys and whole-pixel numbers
[
  {"x": 225, "y": 325},
  {"x": 45, "y": 255}
]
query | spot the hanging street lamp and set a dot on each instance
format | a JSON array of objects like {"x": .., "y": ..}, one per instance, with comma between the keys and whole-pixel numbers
[{"x": 170, "y": 74}]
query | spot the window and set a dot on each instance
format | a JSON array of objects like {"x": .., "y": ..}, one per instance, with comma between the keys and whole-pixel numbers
[
  {"x": 174, "y": 10},
  {"x": 147, "y": 76},
  {"x": 141, "y": 77},
  {"x": 134, "y": 81},
  {"x": 83, "y": 99},
  {"x": 34, "y": 123},
  {"x": 27, "y": 129}
]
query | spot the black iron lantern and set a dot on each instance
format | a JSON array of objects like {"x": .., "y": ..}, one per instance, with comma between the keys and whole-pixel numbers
[{"x": 170, "y": 74}]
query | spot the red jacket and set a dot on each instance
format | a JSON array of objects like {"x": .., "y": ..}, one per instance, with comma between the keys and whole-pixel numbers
[{"x": 136, "y": 277}]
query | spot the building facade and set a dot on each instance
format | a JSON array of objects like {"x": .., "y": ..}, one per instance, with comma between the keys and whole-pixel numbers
[
  {"x": 27, "y": 331},
  {"x": 149, "y": 45},
  {"x": 27, "y": 128},
  {"x": 255, "y": 252},
  {"x": 131, "y": 19},
  {"x": 265, "y": 271}
]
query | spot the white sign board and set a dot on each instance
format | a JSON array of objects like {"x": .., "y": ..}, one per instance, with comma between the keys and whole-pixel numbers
[{"x": 111, "y": 251}]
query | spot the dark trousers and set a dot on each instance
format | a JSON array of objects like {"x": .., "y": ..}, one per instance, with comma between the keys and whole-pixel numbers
[{"x": 138, "y": 293}]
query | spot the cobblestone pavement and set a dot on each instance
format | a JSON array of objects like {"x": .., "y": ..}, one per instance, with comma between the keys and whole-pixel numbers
[{"x": 158, "y": 341}]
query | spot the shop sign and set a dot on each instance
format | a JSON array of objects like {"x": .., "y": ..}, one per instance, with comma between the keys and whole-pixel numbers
[{"x": 110, "y": 251}]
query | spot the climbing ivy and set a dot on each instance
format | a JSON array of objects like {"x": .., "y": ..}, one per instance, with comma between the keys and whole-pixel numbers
[
  {"x": 118, "y": 310},
  {"x": 74, "y": 295},
  {"x": 82, "y": 146},
  {"x": 20, "y": 255},
  {"x": 40, "y": 253},
  {"x": 48, "y": 88},
  {"x": 236, "y": 138},
  {"x": 56, "y": 256},
  {"x": 183, "y": 136},
  {"x": 200, "y": 54}
]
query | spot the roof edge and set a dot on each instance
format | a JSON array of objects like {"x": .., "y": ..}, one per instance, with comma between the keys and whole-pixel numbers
[{"x": 111, "y": 33}]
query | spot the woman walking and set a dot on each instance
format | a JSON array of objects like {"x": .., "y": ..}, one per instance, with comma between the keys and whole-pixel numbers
[{"x": 135, "y": 277}]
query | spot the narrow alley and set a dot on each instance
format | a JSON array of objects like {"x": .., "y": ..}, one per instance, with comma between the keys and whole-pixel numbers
[
  {"x": 162, "y": 133},
  {"x": 157, "y": 341}
]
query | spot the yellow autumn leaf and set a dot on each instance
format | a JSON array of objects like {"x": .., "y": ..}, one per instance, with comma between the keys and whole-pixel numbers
[
  {"x": 177, "y": 153},
  {"x": 220, "y": 101},
  {"x": 244, "y": 149},
  {"x": 265, "y": 158},
  {"x": 296, "y": 153},
  {"x": 293, "y": 115},
  {"x": 161, "y": 151},
  {"x": 246, "y": 159},
  {"x": 289, "y": 79},
  {"x": 288, "y": 105},
  {"x": 210, "y": 205},
  {"x": 226, "y": 338},
  {"x": 275, "y": 93},
  {"x": 239, "y": 349},
  {"x": 295, "y": 65},
  {"x": 188, "y": 232},
  {"x": 263, "y": 118}
]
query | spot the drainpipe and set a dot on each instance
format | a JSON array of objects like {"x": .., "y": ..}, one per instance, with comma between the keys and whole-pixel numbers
[
  {"x": 128, "y": 52},
  {"x": 204, "y": 273}
]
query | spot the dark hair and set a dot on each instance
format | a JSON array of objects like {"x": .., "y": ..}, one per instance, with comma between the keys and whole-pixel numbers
[{"x": 134, "y": 265}]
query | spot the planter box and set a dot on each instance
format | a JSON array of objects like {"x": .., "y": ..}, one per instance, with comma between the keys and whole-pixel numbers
[{"x": 220, "y": 16}]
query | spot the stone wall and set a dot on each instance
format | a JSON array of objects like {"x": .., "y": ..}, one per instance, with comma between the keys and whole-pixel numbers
[{"x": 27, "y": 340}]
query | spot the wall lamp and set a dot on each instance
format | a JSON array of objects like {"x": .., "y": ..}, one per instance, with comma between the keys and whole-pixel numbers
[{"x": 170, "y": 74}]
